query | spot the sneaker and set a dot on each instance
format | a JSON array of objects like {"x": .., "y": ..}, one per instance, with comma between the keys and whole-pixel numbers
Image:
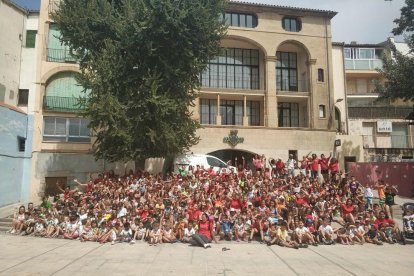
[{"x": 132, "y": 242}]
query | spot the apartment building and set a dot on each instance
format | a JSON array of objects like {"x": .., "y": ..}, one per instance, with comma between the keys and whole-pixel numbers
[
  {"x": 270, "y": 90},
  {"x": 18, "y": 30},
  {"x": 377, "y": 130}
]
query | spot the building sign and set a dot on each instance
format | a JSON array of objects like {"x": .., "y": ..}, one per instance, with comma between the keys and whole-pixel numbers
[
  {"x": 384, "y": 126},
  {"x": 233, "y": 139}
]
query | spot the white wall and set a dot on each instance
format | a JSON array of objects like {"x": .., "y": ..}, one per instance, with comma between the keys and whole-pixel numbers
[
  {"x": 12, "y": 22},
  {"x": 28, "y": 65}
]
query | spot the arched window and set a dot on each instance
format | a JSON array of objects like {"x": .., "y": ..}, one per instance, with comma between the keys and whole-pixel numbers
[{"x": 63, "y": 92}]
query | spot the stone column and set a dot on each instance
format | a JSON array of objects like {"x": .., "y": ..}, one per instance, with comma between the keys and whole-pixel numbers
[
  {"x": 245, "y": 117},
  {"x": 218, "y": 118},
  {"x": 312, "y": 108},
  {"x": 270, "y": 102}
]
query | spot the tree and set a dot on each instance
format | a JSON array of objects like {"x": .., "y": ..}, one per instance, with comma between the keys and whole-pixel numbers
[
  {"x": 398, "y": 69},
  {"x": 140, "y": 63}
]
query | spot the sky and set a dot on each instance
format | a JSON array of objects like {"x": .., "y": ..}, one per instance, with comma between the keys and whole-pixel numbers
[{"x": 364, "y": 21}]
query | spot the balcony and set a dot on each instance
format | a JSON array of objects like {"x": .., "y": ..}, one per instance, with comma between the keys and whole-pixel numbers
[
  {"x": 363, "y": 64},
  {"x": 53, "y": 6},
  {"x": 60, "y": 55},
  {"x": 62, "y": 104},
  {"x": 389, "y": 155},
  {"x": 287, "y": 86},
  {"x": 388, "y": 141},
  {"x": 380, "y": 112}
]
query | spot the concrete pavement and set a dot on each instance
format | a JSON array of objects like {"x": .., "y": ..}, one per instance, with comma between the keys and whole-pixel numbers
[{"x": 39, "y": 256}]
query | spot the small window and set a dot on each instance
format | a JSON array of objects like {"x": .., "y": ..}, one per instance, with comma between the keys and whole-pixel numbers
[
  {"x": 31, "y": 38},
  {"x": 23, "y": 97},
  {"x": 291, "y": 24},
  {"x": 21, "y": 143},
  {"x": 321, "y": 75},
  {"x": 322, "y": 112}
]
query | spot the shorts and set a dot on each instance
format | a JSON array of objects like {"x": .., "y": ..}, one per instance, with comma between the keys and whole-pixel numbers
[
  {"x": 382, "y": 201},
  {"x": 324, "y": 171},
  {"x": 369, "y": 200}
]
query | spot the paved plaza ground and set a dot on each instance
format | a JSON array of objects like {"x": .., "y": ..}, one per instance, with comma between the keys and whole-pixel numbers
[{"x": 39, "y": 256}]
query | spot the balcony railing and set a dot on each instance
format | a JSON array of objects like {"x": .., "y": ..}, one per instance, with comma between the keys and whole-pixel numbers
[
  {"x": 388, "y": 141},
  {"x": 363, "y": 64},
  {"x": 389, "y": 155},
  {"x": 62, "y": 104},
  {"x": 379, "y": 112},
  {"x": 53, "y": 6},
  {"x": 286, "y": 85},
  {"x": 60, "y": 55}
]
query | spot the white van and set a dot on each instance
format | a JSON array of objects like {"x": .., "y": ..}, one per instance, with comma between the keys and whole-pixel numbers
[{"x": 205, "y": 161}]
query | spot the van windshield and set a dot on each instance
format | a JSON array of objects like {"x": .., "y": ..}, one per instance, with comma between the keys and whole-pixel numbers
[{"x": 215, "y": 162}]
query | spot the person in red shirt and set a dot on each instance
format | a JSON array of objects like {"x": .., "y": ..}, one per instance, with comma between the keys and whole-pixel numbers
[
  {"x": 314, "y": 166},
  {"x": 194, "y": 213},
  {"x": 382, "y": 220},
  {"x": 205, "y": 233},
  {"x": 280, "y": 166},
  {"x": 324, "y": 163},
  {"x": 334, "y": 167},
  {"x": 347, "y": 210}
]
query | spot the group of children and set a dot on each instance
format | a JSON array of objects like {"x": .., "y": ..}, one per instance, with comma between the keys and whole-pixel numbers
[{"x": 292, "y": 211}]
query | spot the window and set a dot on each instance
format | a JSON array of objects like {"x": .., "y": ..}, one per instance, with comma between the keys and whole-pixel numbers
[
  {"x": 253, "y": 113},
  {"x": 321, "y": 75},
  {"x": 21, "y": 143},
  {"x": 286, "y": 71},
  {"x": 31, "y": 38},
  {"x": 291, "y": 24},
  {"x": 56, "y": 51},
  {"x": 60, "y": 129},
  {"x": 233, "y": 68},
  {"x": 239, "y": 20},
  {"x": 231, "y": 112},
  {"x": 208, "y": 111},
  {"x": 23, "y": 97},
  {"x": 288, "y": 114},
  {"x": 322, "y": 112},
  {"x": 215, "y": 162}
]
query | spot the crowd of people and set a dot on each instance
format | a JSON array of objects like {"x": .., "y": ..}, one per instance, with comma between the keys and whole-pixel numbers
[{"x": 293, "y": 204}]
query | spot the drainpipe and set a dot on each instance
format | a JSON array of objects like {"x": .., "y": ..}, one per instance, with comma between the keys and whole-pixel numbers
[{"x": 327, "y": 65}]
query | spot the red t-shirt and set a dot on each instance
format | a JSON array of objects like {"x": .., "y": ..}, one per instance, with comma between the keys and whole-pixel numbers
[
  {"x": 235, "y": 203},
  {"x": 347, "y": 209},
  {"x": 314, "y": 164},
  {"x": 324, "y": 163},
  {"x": 204, "y": 228},
  {"x": 334, "y": 167},
  {"x": 385, "y": 221}
]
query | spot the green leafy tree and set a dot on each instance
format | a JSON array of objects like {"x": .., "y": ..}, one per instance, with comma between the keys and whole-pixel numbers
[
  {"x": 398, "y": 69},
  {"x": 140, "y": 62}
]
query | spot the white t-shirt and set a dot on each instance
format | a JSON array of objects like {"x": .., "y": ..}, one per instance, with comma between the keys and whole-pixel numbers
[
  {"x": 189, "y": 232},
  {"x": 301, "y": 231},
  {"x": 326, "y": 228}
]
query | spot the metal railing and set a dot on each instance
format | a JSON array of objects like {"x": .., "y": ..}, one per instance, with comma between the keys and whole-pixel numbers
[
  {"x": 363, "y": 64},
  {"x": 389, "y": 141},
  {"x": 389, "y": 155},
  {"x": 62, "y": 104},
  {"x": 286, "y": 85},
  {"x": 378, "y": 112},
  {"x": 59, "y": 55}
]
